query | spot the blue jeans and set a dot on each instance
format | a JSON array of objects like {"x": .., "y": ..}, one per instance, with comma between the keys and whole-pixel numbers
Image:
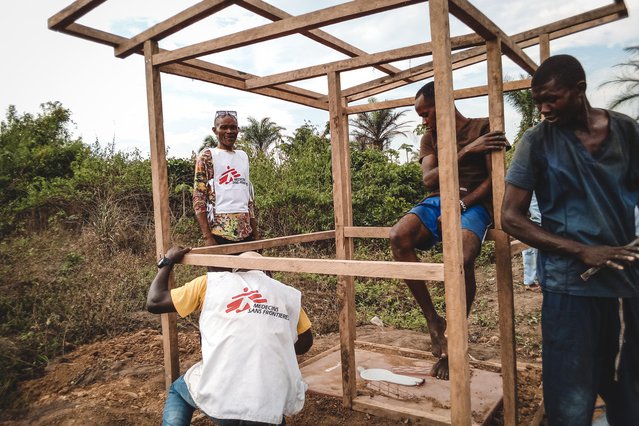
[
  {"x": 580, "y": 342},
  {"x": 179, "y": 408}
]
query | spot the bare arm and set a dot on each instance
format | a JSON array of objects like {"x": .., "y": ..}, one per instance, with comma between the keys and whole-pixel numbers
[
  {"x": 484, "y": 144},
  {"x": 159, "y": 300},
  {"x": 515, "y": 222},
  {"x": 304, "y": 342}
]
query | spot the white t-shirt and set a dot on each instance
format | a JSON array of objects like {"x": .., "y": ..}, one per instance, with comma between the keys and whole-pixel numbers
[
  {"x": 249, "y": 369},
  {"x": 231, "y": 181}
]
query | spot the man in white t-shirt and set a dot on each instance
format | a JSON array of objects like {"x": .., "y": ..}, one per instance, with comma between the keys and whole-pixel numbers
[{"x": 252, "y": 326}]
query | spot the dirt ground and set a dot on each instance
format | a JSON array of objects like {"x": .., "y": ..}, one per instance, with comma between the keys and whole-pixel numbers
[{"x": 120, "y": 381}]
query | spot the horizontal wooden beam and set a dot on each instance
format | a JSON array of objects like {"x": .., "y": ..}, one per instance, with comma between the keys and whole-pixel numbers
[
  {"x": 558, "y": 29},
  {"x": 71, "y": 13},
  {"x": 205, "y": 71},
  {"x": 367, "y": 231},
  {"x": 399, "y": 413},
  {"x": 294, "y": 24},
  {"x": 351, "y": 268},
  {"x": 269, "y": 11},
  {"x": 469, "y": 92},
  {"x": 366, "y": 60},
  {"x": 476, "y": 20},
  {"x": 265, "y": 244},
  {"x": 172, "y": 25},
  {"x": 459, "y": 60}
]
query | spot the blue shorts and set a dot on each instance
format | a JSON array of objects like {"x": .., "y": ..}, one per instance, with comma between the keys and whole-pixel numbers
[{"x": 476, "y": 218}]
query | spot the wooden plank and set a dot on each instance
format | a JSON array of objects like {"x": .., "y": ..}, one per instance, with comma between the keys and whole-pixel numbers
[
  {"x": 389, "y": 410},
  {"x": 71, "y": 13},
  {"x": 502, "y": 240},
  {"x": 172, "y": 25},
  {"x": 199, "y": 74},
  {"x": 340, "y": 165},
  {"x": 161, "y": 213},
  {"x": 476, "y": 20},
  {"x": 544, "y": 47},
  {"x": 470, "y": 92},
  {"x": 351, "y": 268},
  {"x": 618, "y": 10},
  {"x": 206, "y": 71},
  {"x": 318, "y": 356},
  {"x": 451, "y": 224},
  {"x": 524, "y": 39},
  {"x": 408, "y": 52},
  {"x": 271, "y": 12},
  {"x": 308, "y": 21},
  {"x": 265, "y": 244},
  {"x": 416, "y": 353},
  {"x": 367, "y": 231}
]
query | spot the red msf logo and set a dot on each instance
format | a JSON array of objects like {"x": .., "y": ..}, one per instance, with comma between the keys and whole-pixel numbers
[
  {"x": 228, "y": 176},
  {"x": 252, "y": 296}
]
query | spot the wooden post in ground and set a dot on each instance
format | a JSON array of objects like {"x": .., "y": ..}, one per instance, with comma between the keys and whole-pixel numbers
[
  {"x": 341, "y": 169},
  {"x": 502, "y": 240},
  {"x": 451, "y": 223},
  {"x": 161, "y": 212}
]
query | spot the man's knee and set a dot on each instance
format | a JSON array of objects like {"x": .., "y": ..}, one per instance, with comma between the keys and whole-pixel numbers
[{"x": 401, "y": 236}]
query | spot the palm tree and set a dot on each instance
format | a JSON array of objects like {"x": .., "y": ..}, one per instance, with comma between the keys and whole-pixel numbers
[
  {"x": 376, "y": 129},
  {"x": 628, "y": 79},
  {"x": 408, "y": 148},
  {"x": 523, "y": 102},
  {"x": 262, "y": 134}
]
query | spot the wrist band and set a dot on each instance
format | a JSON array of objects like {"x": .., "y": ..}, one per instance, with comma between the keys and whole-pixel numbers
[{"x": 463, "y": 206}]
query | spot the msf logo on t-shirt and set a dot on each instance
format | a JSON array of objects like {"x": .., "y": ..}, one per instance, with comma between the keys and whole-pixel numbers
[
  {"x": 229, "y": 176},
  {"x": 247, "y": 298}
]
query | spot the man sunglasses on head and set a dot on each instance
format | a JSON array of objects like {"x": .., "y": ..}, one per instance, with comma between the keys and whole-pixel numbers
[{"x": 219, "y": 114}]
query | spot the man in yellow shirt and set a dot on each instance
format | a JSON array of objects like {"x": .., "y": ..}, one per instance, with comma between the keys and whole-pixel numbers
[{"x": 252, "y": 326}]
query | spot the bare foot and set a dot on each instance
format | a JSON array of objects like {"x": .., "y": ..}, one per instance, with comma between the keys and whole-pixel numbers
[
  {"x": 440, "y": 369},
  {"x": 439, "y": 343}
]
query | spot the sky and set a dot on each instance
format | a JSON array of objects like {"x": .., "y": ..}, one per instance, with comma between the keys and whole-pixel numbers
[{"x": 107, "y": 95}]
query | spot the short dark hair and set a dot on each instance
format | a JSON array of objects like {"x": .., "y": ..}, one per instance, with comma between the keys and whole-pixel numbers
[
  {"x": 564, "y": 69},
  {"x": 427, "y": 90}
]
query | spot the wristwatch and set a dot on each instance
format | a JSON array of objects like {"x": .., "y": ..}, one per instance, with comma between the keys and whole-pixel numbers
[
  {"x": 462, "y": 205},
  {"x": 165, "y": 261}
]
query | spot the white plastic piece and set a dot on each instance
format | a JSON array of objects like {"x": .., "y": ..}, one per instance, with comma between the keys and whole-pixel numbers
[
  {"x": 376, "y": 321},
  {"x": 382, "y": 375}
]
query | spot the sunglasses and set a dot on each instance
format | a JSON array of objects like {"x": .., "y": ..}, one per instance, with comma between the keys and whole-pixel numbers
[{"x": 219, "y": 114}]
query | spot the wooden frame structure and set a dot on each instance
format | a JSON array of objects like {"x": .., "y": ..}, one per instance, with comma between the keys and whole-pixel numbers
[{"x": 487, "y": 43}]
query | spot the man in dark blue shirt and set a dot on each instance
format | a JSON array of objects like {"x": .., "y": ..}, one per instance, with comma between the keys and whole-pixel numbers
[{"x": 583, "y": 165}]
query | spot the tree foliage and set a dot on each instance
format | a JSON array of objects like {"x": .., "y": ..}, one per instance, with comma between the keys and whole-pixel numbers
[
  {"x": 523, "y": 103},
  {"x": 376, "y": 129},
  {"x": 37, "y": 158},
  {"x": 628, "y": 80},
  {"x": 262, "y": 134}
]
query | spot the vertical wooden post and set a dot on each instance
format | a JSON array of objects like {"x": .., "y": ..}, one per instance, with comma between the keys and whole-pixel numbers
[
  {"x": 502, "y": 241},
  {"x": 341, "y": 169},
  {"x": 161, "y": 212},
  {"x": 544, "y": 47},
  {"x": 451, "y": 222}
]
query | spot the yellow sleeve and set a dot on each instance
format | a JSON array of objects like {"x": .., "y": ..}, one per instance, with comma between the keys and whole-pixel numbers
[
  {"x": 190, "y": 296},
  {"x": 303, "y": 323}
]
